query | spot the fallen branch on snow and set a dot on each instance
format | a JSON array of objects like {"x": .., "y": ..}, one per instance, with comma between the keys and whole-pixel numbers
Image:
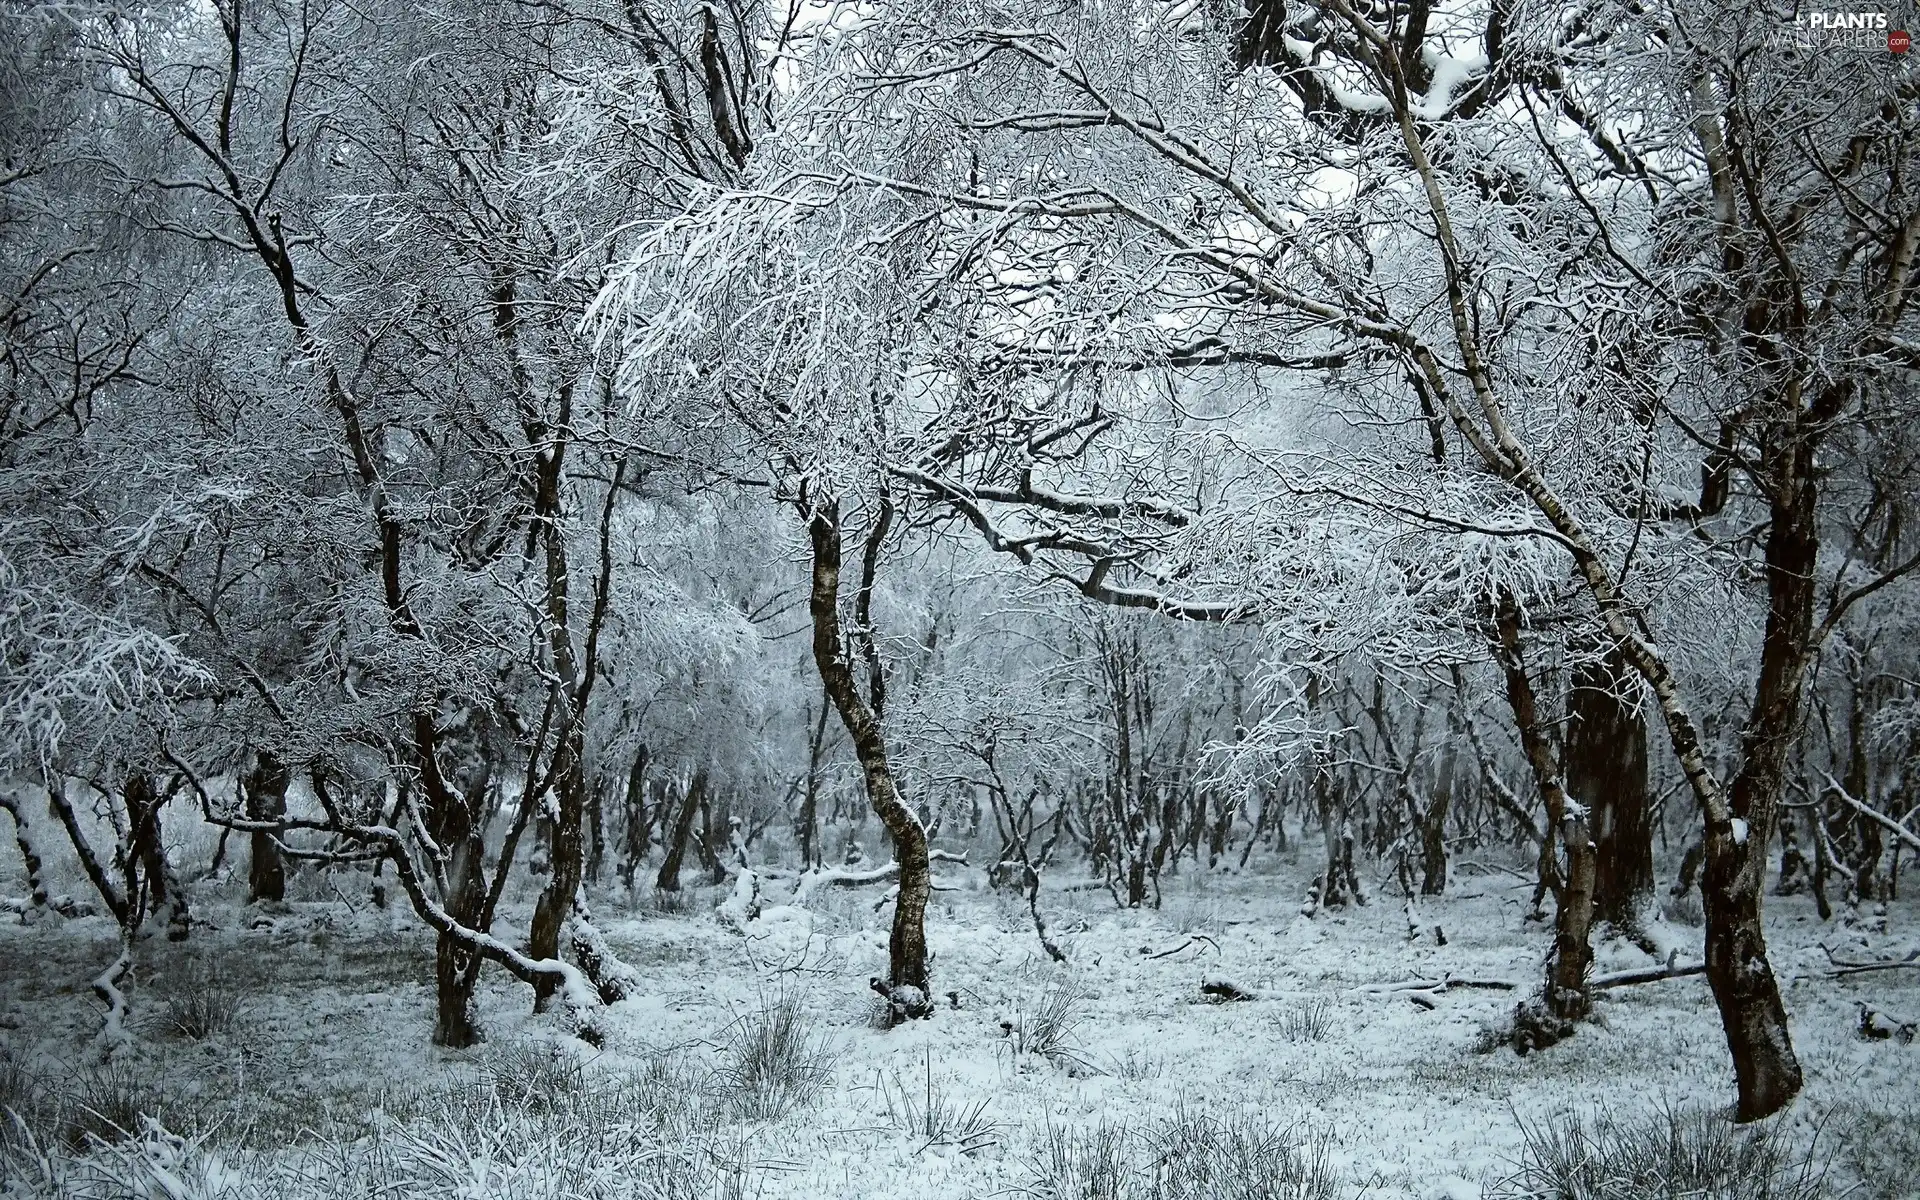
[
  {"x": 1438, "y": 987},
  {"x": 1196, "y": 938},
  {"x": 812, "y": 881},
  {"x": 612, "y": 979},
  {"x": 1844, "y": 967},
  {"x": 1671, "y": 970}
]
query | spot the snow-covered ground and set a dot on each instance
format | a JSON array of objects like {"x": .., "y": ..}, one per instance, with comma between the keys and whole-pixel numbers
[{"x": 1403, "y": 1098}]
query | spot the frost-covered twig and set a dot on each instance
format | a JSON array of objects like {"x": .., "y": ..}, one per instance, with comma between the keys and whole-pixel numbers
[{"x": 1892, "y": 826}]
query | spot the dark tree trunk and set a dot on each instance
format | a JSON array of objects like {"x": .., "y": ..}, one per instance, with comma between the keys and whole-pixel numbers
[
  {"x": 266, "y": 795},
  {"x": 1794, "y": 872},
  {"x": 1433, "y": 831},
  {"x": 907, "y": 946},
  {"x": 456, "y": 818},
  {"x": 636, "y": 830},
  {"x": 1817, "y": 822},
  {"x": 144, "y": 804},
  {"x": 455, "y": 1024},
  {"x": 1605, "y": 759},
  {"x": 668, "y": 880},
  {"x": 807, "y": 825},
  {"x": 596, "y": 832},
  {"x": 1865, "y": 845},
  {"x": 567, "y": 860},
  {"x": 1755, "y": 1021},
  {"x": 1331, "y": 889}
]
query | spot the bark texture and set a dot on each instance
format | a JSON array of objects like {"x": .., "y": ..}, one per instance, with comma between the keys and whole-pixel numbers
[
  {"x": 1606, "y": 771},
  {"x": 266, "y": 796}
]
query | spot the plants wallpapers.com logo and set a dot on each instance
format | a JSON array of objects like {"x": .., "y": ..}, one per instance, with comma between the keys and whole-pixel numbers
[{"x": 1852, "y": 29}]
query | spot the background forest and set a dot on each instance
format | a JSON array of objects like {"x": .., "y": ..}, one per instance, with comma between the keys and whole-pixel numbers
[{"x": 1091, "y": 599}]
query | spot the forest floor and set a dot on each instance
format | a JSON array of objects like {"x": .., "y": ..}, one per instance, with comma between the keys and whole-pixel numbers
[{"x": 328, "y": 1045}]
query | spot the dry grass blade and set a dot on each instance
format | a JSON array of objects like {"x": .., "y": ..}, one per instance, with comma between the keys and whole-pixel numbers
[{"x": 934, "y": 1120}]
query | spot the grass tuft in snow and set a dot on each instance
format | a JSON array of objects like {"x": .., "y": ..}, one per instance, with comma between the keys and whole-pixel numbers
[
  {"x": 1092, "y": 1162},
  {"x": 203, "y": 1004},
  {"x": 1199, "y": 1156},
  {"x": 1193, "y": 1155},
  {"x": 1135, "y": 1065},
  {"x": 921, "y": 1108},
  {"x": 1675, "y": 1152},
  {"x": 774, "y": 1060},
  {"x": 1309, "y": 1022},
  {"x": 25, "y": 1106},
  {"x": 106, "y": 1104},
  {"x": 1047, "y": 1026},
  {"x": 533, "y": 1078}
]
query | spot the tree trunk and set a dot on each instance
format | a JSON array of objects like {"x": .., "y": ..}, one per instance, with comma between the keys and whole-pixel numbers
[
  {"x": 1605, "y": 760},
  {"x": 1433, "y": 831},
  {"x": 668, "y": 880},
  {"x": 1755, "y": 1021},
  {"x": 1567, "y": 998},
  {"x": 596, "y": 820},
  {"x": 457, "y": 827},
  {"x": 455, "y": 1023},
  {"x": 266, "y": 795},
  {"x": 907, "y": 946},
  {"x": 807, "y": 826},
  {"x": 636, "y": 830},
  {"x": 567, "y": 860},
  {"x": 29, "y": 856}
]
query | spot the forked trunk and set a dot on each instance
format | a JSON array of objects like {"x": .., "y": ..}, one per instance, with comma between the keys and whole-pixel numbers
[
  {"x": 668, "y": 879},
  {"x": 455, "y": 1024},
  {"x": 907, "y": 946},
  {"x": 456, "y": 826}
]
